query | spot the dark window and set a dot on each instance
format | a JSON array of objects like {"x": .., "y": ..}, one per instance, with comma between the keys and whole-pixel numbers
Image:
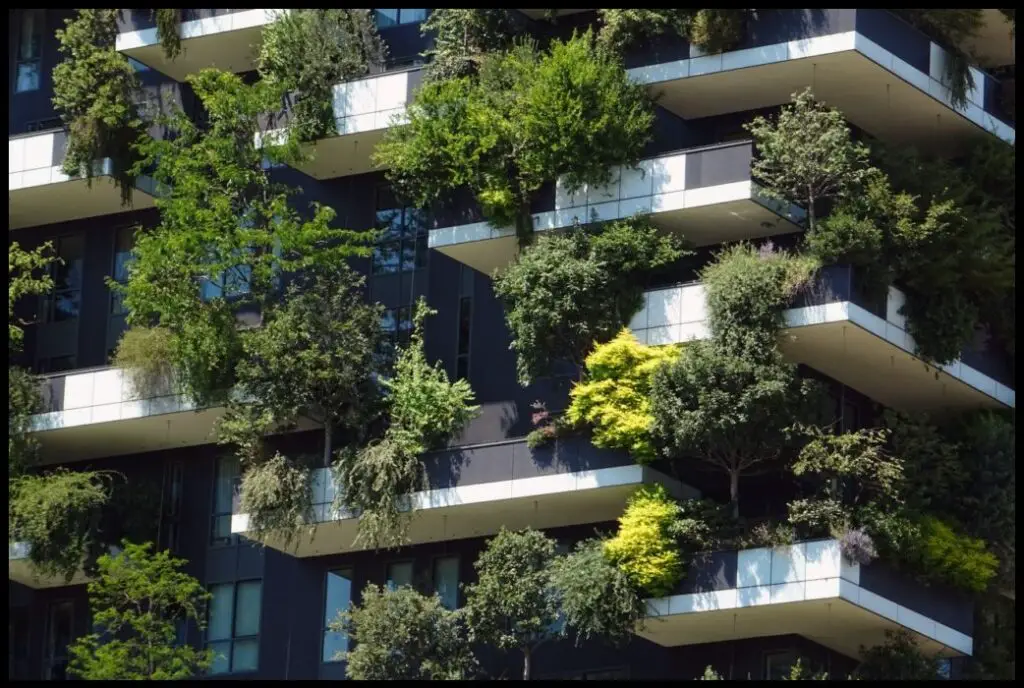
[
  {"x": 64, "y": 302},
  {"x": 57, "y": 364},
  {"x": 123, "y": 242},
  {"x": 337, "y": 597},
  {"x": 396, "y": 325},
  {"x": 386, "y": 18},
  {"x": 17, "y": 643},
  {"x": 59, "y": 632},
  {"x": 30, "y": 38},
  {"x": 400, "y": 574},
  {"x": 465, "y": 323},
  {"x": 402, "y": 244},
  {"x": 225, "y": 499},
  {"x": 777, "y": 665},
  {"x": 234, "y": 626},
  {"x": 446, "y": 580},
  {"x": 173, "y": 514}
]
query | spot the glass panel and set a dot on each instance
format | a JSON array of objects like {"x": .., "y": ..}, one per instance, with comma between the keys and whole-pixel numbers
[
  {"x": 122, "y": 253},
  {"x": 778, "y": 664},
  {"x": 31, "y": 34},
  {"x": 68, "y": 272},
  {"x": 389, "y": 222},
  {"x": 60, "y": 628},
  {"x": 227, "y": 481},
  {"x": 236, "y": 280},
  {"x": 422, "y": 248},
  {"x": 386, "y": 258},
  {"x": 28, "y": 76},
  {"x": 222, "y": 528},
  {"x": 446, "y": 581},
  {"x": 221, "y": 603},
  {"x": 416, "y": 222},
  {"x": 338, "y": 598},
  {"x": 400, "y": 574},
  {"x": 388, "y": 323},
  {"x": 67, "y": 305},
  {"x": 221, "y": 656},
  {"x": 411, "y": 16},
  {"x": 465, "y": 310},
  {"x": 386, "y": 18},
  {"x": 246, "y": 655},
  {"x": 138, "y": 66},
  {"x": 247, "y": 608}
]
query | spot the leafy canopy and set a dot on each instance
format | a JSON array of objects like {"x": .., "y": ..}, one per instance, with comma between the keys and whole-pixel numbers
[
  {"x": 571, "y": 290},
  {"x": 527, "y": 118},
  {"x": 226, "y": 232},
  {"x": 400, "y": 634},
  {"x": 897, "y": 659},
  {"x": 137, "y": 602},
  {"x": 464, "y": 37},
  {"x": 27, "y": 275},
  {"x": 310, "y": 51},
  {"x": 711, "y": 30},
  {"x": 614, "y": 397}
]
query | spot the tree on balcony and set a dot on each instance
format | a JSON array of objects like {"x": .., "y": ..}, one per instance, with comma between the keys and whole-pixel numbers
[
  {"x": 464, "y": 37},
  {"x": 711, "y": 30},
  {"x": 528, "y": 117},
  {"x": 138, "y": 601}
]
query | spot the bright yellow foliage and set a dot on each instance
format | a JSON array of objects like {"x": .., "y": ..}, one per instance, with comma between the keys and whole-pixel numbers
[
  {"x": 644, "y": 548},
  {"x": 614, "y": 399}
]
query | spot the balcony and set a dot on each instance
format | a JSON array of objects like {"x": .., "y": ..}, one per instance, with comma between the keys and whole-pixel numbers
[
  {"x": 836, "y": 331},
  {"x": 885, "y": 76},
  {"x": 21, "y": 570},
  {"x": 39, "y": 193},
  {"x": 807, "y": 589},
  {"x": 485, "y": 487},
  {"x": 363, "y": 110},
  {"x": 225, "y": 39},
  {"x": 704, "y": 193}
]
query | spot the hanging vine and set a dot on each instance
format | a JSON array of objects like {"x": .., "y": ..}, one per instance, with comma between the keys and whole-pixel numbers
[
  {"x": 94, "y": 91},
  {"x": 168, "y": 30},
  {"x": 951, "y": 29}
]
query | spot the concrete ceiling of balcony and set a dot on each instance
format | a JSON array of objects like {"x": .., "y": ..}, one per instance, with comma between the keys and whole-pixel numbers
[
  {"x": 834, "y": 623},
  {"x": 879, "y": 369},
  {"x": 870, "y": 96},
  {"x": 233, "y": 51},
  {"x": 342, "y": 156},
  {"x": 22, "y": 571},
  {"x": 71, "y": 200}
]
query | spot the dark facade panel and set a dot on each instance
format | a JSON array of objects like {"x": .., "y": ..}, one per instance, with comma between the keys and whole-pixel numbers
[{"x": 944, "y": 604}]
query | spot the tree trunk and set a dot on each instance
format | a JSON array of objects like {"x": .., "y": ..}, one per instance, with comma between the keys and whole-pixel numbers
[
  {"x": 734, "y": 492},
  {"x": 524, "y": 225},
  {"x": 810, "y": 212},
  {"x": 328, "y": 432},
  {"x": 526, "y": 663}
]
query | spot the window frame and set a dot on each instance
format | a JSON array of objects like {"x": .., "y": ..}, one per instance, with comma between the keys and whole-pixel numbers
[
  {"x": 324, "y": 621},
  {"x": 234, "y": 637},
  {"x": 48, "y": 308},
  {"x": 411, "y": 240}
]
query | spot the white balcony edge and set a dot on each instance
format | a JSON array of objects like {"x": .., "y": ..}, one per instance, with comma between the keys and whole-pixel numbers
[
  {"x": 802, "y": 572},
  {"x": 198, "y": 28},
  {"x": 932, "y": 84}
]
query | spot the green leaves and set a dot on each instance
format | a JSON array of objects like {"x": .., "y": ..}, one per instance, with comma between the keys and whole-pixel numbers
[
  {"x": 572, "y": 290},
  {"x": 309, "y": 51},
  {"x": 403, "y": 635},
  {"x": 526, "y": 119},
  {"x": 464, "y": 37},
  {"x": 137, "y": 602},
  {"x": 24, "y": 278}
]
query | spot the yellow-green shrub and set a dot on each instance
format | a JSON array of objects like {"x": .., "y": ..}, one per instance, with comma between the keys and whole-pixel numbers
[
  {"x": 614, "y": 399},
  {"x": 958, "y": 559},
  {"x": 644, "y": 548}
]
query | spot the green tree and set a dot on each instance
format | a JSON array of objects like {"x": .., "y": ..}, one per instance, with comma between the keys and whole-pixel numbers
[
  {"x": 137, "y": 601},
  {"x": 26, "y": 276},
  {"x": 226, "y": 234},
  {"x": 570, "y": 291},
  {"x": 464, "y": 37},
  {"x": 424, "y": 411},
  {"x": 526, "y": 119},
  {"x": 806, "y": 155},
  {"x": 95, "y": 91},
  {"x": 711, "y": 30},
  {"x": 897, "y": 659},
  {"x": 309, "y": 51},
  {"x": 402, "y": 635},
  {"x": 727, "y": 411},
  {"x": 596, "y": 597},
  {"x": 513, "y": 605}
]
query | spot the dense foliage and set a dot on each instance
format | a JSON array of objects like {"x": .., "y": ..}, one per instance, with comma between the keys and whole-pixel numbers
[
  {"x": 57, "y": 514},
  {"x": 168, "y": 30},
  {"x": 513, "y": 605},
  {"x": 137, "y": 602},
  {"x": 464, "y": 37},
  {"x": 644, "y": 548},
  {"x": 309, "y": 52},
  {"x": 226, "y": 232},
  {"x": 144, "y": 353},
  {"x": 400, "y": 634},
  {"x": 527, "y": 118},
  {"x": 27, "y": 275},
  {"x": 94, "y": 90},
  {"x": 424, "y": 411},
  {"x": 614, "y": 397},
  {"x": 710, "y": 30},
  {"x": 277, "y": 495},
  {"x": 576, "y": 289},
  {"x": 898, "y": 659}
]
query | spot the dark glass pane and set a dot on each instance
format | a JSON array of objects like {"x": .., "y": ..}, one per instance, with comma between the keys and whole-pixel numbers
[
  {"x": 386, "y": 258},
  {"x": 385, "y": 18},
  {"x": 389, "y": 222},
  {"x": 421, "y": 251},
  {"x": 465, "y": 312}
]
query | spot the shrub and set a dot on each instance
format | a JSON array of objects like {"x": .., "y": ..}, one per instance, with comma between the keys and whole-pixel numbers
[
  {"x": 278, "y": 495},
  {"x": 644, "y": 548},
  {"x": 897, "y": 659},
  {"x": 464, "y": 37},
  {"x": 145, "y": 353},
  {"x": 817, "y": 517},
  {"x": 857, "y": 546},
  {"x": 596, "y": 597},
  {"x": 615, "y": 396},
  {"x": 957, "y": 559},
  {"x": 403, "y": 635}
]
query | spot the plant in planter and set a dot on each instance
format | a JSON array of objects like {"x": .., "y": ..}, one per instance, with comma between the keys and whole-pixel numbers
[
  {"x": 518, "y": 124},
  {"x": 711, "y": 30}
]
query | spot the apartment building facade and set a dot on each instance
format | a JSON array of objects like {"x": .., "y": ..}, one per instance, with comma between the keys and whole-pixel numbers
[{"x": 749, "y": 613}]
